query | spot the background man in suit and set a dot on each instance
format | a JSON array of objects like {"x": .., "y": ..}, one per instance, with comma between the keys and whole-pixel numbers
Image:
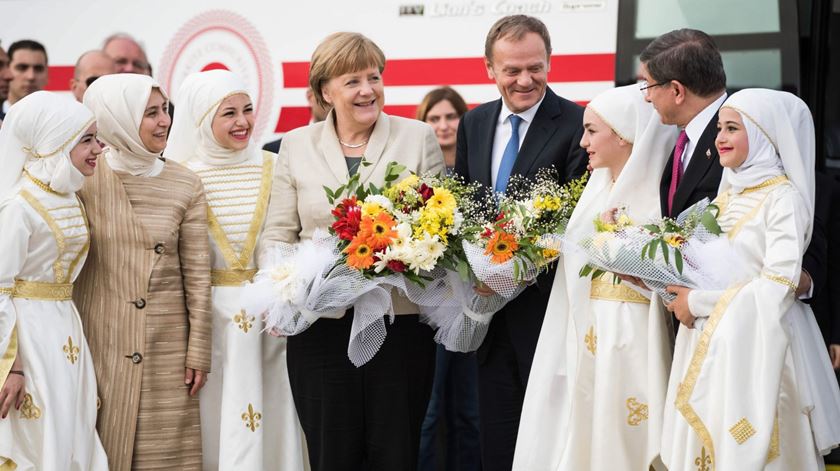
[
  {"x": 319, "y": 113},
  {"x": 683, "y": 78},
  {"x": 527, "y": 129},
  {"x": 5, "y": 77},
  {"x": 90, "y": 66},
  {"x": 28, "y": 70}
]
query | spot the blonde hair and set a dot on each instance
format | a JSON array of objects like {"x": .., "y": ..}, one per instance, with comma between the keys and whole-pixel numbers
[{"x": 339, "y": 54}]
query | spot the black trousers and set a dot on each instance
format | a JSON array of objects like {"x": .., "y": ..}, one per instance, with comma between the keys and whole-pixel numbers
[{"x": 367, "y": 418}]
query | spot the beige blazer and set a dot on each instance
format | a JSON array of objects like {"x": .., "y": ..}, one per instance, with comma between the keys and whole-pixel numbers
[{"x": 311, "y": 158}]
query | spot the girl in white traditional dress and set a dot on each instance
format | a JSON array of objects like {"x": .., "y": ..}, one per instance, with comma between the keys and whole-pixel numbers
[
  {"x": 751, "y": 386},
  {"x": 213, "y": 132},
  {"x": 597, "y": 387},
  {"x": 48, "y": 398}
]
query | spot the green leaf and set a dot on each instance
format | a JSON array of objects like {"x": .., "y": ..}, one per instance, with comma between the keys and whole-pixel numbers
[
  {"x": 678, "y": 260},
  {"x": 585, "y": 270},
  {"x": 709, "y": 221},
  {"x": 516, "y": 269},
  {"x": 653, "y": 228},
  {"x": 664, "y": 250},
  {"x": 464, "y": 270}
]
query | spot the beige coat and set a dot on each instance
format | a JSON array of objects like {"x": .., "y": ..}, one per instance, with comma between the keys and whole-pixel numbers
[
  {"x": 144, "y": 300},
  {"x": 311, "y": 158}
]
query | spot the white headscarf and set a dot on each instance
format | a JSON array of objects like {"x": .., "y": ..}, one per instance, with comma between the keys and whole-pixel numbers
[
  {"x": 119, "y": 101},
  {"x": 38, "y": 134},
  {"x": 626, "y": 112},
  {"x": 199, "y": 99},
  {"x": 781, "y": 135}
]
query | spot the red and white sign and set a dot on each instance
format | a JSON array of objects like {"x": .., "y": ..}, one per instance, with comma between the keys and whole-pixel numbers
[{"x": 427, "y": 44}]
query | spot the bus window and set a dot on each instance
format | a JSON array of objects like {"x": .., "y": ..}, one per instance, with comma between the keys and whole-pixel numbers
[{"x": 715, "y": 17}]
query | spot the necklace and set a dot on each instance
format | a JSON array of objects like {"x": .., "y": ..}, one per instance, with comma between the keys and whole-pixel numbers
[
  {"x": 353, "y": 146},
  {"x": 41, "y": 184}
]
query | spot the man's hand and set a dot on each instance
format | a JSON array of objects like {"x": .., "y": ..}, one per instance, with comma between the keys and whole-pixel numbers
[
  {"x": 679, "y": 306},
  {"x": 196, "y": 378},
  {"x": 804, "y": 284},
  {"x": 11, "y": 393}
]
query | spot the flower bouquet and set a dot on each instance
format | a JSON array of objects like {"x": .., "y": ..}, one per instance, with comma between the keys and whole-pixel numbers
[{"x": 688, "y": 251}]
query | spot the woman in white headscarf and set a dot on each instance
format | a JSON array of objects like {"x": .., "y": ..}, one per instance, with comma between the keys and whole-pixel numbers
[
  {"x": 754, "y": 388},
  {"x": 213, "y": 133},
  {"x": 47, "y": 385},
  {"x": 595, "y": 395},
  {"x": 144, "y": 296}
]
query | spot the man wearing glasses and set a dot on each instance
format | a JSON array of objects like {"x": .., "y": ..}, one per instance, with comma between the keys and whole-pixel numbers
[
  {"x": 90, "y": 66},
  {"x": 127, "y": 54}
]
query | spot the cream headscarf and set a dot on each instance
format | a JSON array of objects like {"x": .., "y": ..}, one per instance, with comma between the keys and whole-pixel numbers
[
  {"x": 199, "y": 99},
  {"x": 780, "y": 130},
  {"x": 38, "y": 134},
  {"x": 119, "y": 101}
]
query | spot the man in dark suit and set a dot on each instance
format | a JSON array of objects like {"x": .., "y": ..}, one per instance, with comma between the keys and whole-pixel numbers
[
  {"x": 319, "y": 113},
  {"x": 683, "y": 78},
  {"x": 527, "y": 129}
]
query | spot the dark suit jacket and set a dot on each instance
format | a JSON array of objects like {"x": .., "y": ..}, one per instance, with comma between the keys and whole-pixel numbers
[
  {"x": 701, "y": 178},
  {"x": 273, "y": 146},
  {"x": 553, "y": 138}
]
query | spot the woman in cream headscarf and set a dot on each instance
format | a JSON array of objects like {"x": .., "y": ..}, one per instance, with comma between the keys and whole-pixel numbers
[
  {"x": 144, "y": 296},
  {"x": 212, "y": 132},
  {"x": 597, "y": 386},
  {"x": 754, "y": 388},
  {"x": 48, "y": 394}
]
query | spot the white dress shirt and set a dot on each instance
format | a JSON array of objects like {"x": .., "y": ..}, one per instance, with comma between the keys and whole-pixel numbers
[
  {"x": 696, "y": 126},
  {"x": 503, "y": 132}
]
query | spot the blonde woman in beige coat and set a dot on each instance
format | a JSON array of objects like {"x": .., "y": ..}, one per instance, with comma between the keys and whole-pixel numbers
[
  {"x": 144, "y": 295},
  {"x": 367, "y": 417}
]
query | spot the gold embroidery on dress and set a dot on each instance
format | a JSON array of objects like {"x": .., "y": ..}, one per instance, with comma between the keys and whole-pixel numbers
[
  {"x": 774, "y": 451},
  {"x": 7, "y": 291},
  {"x": 28, "y": 410},
  {"x": 228, "y": 190},
  {"x": 212, "y": 170},
  {"x": 766, "y": 184},
  {"x": 244, "y": 321},
  {"x": 235, "y": 180},
  {"x": 686, "y": 388},
  {"x": 704, "y": 461},
  {"x": 42, "y": 291},
  {"x": 72, "y": 351},
  {"x": 251, "y": 418},
  {"x": 742, "y": 430},
  {"x": 591, "y": 340},
  {"x": 638, "y": 411},
  {"x": 42, "y": 185},
  {"x": 605, "y": 288}
]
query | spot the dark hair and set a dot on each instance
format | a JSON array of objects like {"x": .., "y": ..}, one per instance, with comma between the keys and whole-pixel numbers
[
  {"x": 26, "y": 44},
  {"x": 688, "y": 56},
  {"x": 516, "y": 27},
  {"x": 438, "y": 95}
]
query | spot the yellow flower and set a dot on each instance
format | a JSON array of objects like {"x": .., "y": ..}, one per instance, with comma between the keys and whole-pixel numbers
[
  {"x": 624, "y": 220},
  {"x": 371, "y": 209},
  {"x": 547, "y": 203},
  {"x": 550, "y": 254},
  {"x": 407, "y": 183},
  {"x": 674, "y": 240},
  {"x": 442, "y": 201}
]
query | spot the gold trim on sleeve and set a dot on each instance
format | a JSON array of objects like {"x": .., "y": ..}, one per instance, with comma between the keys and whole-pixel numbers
[
  {"x": 779, "y": 279},
  {"x": 8, "y": 358},
  {"x": 774, "y": 451}
]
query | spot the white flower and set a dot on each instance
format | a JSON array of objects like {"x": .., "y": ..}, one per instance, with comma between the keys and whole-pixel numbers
[{"x": 286, "y": 283}]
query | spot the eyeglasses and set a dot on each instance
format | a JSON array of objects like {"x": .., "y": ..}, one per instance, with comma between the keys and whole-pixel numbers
[
  {"x": 644, "y": 86},
  {"x": 91, "y": 79}
]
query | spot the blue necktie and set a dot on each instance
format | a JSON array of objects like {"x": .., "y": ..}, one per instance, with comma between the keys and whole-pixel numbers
[{"x": 509, "y": 155}]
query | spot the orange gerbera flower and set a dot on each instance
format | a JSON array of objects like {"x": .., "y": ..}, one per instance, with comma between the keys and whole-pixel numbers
[
  {"x": 359, "y": 253},
  {"x": 501, "y": 246},
  {"x": 378, "y": 231}
]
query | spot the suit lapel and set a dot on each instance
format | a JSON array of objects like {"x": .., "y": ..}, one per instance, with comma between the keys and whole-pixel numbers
[
  {"x": 331, "y": 149},
  {"x": 539, "y": 133},
  {"x": 375, "y": 148},
  {"x": 482, "y": 160},
  {"x": 704, "y": 155}
]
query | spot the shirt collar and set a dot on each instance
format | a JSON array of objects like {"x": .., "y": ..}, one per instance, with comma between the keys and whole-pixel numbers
[
  {"x": 696, "y": 126},
  {"x": 527, "y": 115}
]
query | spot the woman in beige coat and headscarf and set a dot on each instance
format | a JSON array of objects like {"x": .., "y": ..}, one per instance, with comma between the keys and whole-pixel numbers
[{"x": 144, "y": 295}]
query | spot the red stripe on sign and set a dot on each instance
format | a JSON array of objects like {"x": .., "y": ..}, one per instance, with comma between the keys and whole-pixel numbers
[
  {"x": 468, "y": 70},
  {"x": 59, "y": 78}
]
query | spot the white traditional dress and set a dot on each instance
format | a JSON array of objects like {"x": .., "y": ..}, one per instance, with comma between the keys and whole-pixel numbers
[
  {"x": 597, "y": 387},
  {"x": 44, "y": 244},
  {"x": 248, "y": 417},
  {"x": 751, "y": 387}
]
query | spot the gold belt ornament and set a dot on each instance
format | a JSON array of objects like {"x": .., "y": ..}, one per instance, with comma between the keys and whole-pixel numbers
[
  {"x": 42, "y": 291},
  {"x": 231, "y": 277},
  {"x": 604, "y": 288}
]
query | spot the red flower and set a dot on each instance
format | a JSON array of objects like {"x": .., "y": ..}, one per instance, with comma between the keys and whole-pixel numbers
[
  {"x": 348, "y": 216},
  {"x": 425, "y": 191},
  {"x": 396, "y": 266}
]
